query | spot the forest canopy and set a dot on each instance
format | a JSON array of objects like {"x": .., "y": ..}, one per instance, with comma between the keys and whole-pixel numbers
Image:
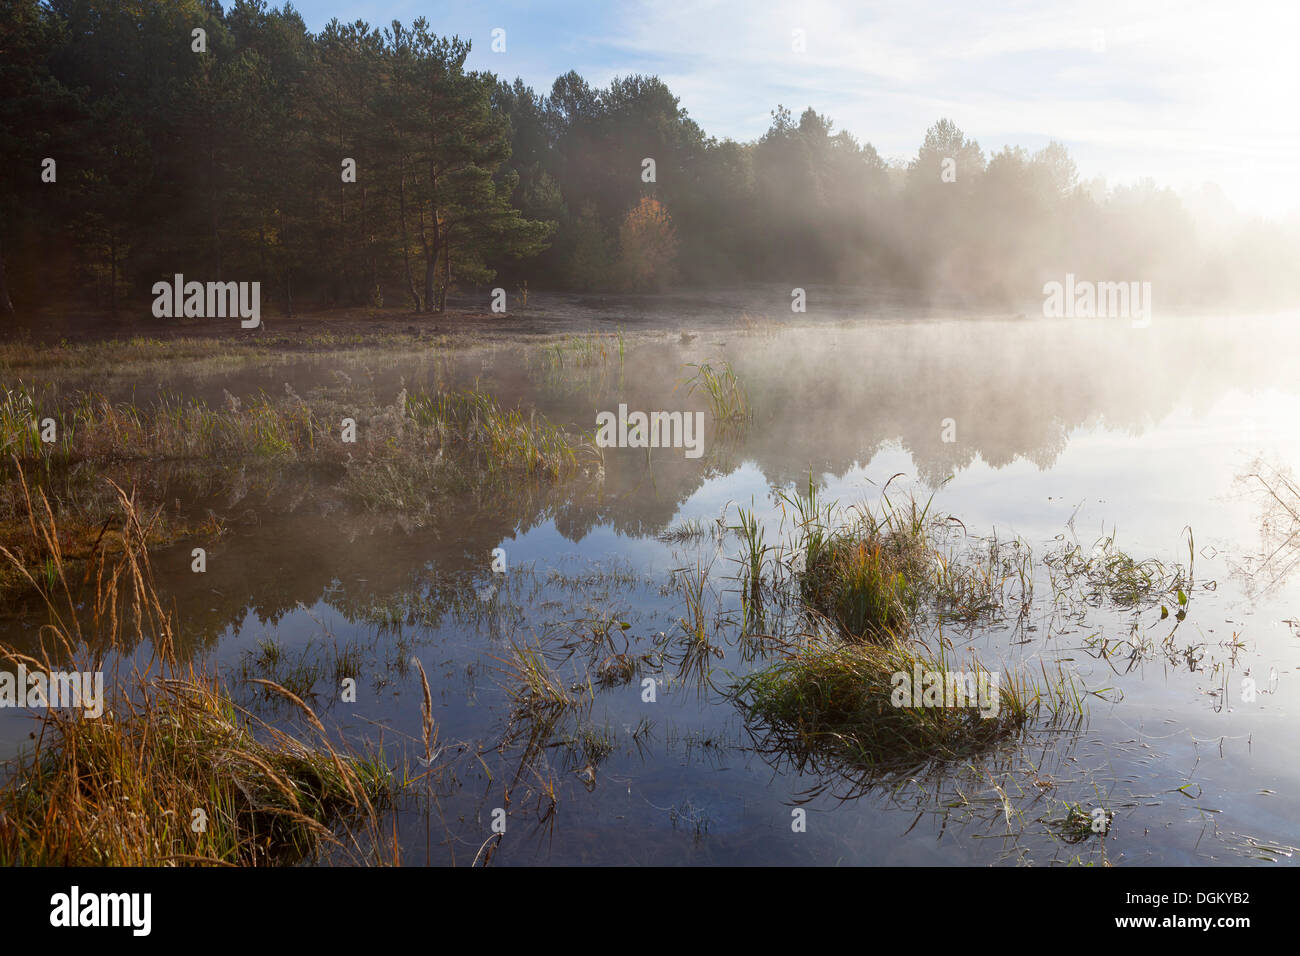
[{"x": 366, "y": 165}]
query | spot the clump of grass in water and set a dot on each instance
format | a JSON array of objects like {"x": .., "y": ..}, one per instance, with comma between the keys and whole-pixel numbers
[
  {"x": 1079, "y": 824},
  {"x": 872, "y": 571},
  {"x": 510, "y": 439},
  {"x": 753, "y": 561},
  {"x": 1109, "y": 573},
  {"x": 727, "y": 396},
  {"x": 754, "y": 551},
  {"x": 860, "y": 586},
  {"x": 536, "y": 689},
  {"x": 833, "y": 704},
  {"x": 617, "y": 670},
  {"x": 585, "y": 350},
  {"x": 690, "y": 530},
  {"x": 698, "y": 651},
  {"x": 121, "y": 789},
  {"x": 869, "y": 576},
  {"x": 593, "y": 744}
]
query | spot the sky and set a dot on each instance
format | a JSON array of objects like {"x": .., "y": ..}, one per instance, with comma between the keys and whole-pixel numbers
[{"x": 1183, "y": 92}]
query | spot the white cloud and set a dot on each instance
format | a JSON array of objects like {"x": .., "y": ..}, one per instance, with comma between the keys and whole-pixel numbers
[{"x": 1183, "y": 92}]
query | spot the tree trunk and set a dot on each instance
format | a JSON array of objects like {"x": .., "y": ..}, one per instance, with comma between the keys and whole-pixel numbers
[
  {"x": 430, "y": 285},
  {"x": 432, "y": 300},
  {"x": 406, "y": 241},
  {"x": 261, "y": 256},
  {"x": 431, "y": 252},
  {"x": 212, "y": 187},
  {"x": 446, "y": 279},
  {"x": 434, "y": 249},
  {"x": 369, "y": 277}
]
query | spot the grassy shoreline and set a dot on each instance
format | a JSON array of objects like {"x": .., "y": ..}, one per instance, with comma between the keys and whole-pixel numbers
[{"x": 168, "y": 770}]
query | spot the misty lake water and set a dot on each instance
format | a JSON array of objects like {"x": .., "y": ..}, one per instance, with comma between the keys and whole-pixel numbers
[{"x": 1064, "y": 432}]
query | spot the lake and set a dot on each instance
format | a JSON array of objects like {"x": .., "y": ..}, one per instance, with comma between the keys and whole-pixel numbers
[{"x": 1050, "y": 437}]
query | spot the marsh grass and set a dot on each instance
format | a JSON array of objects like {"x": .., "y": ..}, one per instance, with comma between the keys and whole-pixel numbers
[
  {"x": 583, "y": 351},
  {"x": 1108, "y": 573},
  {"x": 408, "y": 455},
  {"x": 146, "y": 358},
  {"x": 831, "y": 704},
  {"x": 692, "y": 531},
  {"x": 92, "y": 427},
  {"x": 272, "y": 667},
  {"x": 1077, "y": 823},
  {"x": 122, "y": 788},
  {"x": 501, "y": 438},
  {"x": 877, "y": 570},
  {"x": 982, "y": 583},
  {"x": 534, "y": 685},
  {"x": 873, "y": 572},
  {"x": 617, "y": 670},
  {"x": 728, "y": 398},
  {"x": 862, "y": 586},
  {"x": 868, "y": 574},
  {"x": 753, "y": 561},
  {"x": 753, "y": 550},
  {"x": 542, "y": 706},
  {"x": 593, "y": 744},
  {"x": 696, "y": 649}
]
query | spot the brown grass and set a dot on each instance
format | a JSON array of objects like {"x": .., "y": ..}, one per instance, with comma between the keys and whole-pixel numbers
[{"x": 172, "y": 772}]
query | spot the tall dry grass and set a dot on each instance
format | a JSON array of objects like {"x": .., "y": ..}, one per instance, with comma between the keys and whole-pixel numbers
[{"x": 172, "y": 772}]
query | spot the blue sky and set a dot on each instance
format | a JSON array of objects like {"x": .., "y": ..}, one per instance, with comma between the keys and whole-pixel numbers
[{"x": 1184, "y": 92}]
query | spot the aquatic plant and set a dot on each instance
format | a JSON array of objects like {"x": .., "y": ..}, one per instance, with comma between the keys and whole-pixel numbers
[
  {"x": 727, "y": 396},
  {"x": 832, "y": 703}
]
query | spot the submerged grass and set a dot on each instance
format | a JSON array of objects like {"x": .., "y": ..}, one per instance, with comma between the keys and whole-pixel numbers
[{"x": 1108, "y": 573}]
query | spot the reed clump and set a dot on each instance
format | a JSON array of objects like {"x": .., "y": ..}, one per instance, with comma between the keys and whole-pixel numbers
[
  {"x": 870, "y": 573},
  {"x": 728, "y": 397},
  {"x": 862, "y": 705},
  {"x": 867, "y": 694}
]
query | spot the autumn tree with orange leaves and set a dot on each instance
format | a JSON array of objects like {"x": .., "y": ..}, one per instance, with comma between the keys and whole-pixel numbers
[{"x": 648, "y": 244}]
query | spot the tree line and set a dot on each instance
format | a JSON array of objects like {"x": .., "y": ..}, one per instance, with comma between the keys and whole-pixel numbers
[{"x": 360, "y": 165}]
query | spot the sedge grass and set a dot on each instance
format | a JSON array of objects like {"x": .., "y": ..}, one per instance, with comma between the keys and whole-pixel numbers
[
  {"x": 836, "y": 704},
  {"x": 172, "y": 771}
]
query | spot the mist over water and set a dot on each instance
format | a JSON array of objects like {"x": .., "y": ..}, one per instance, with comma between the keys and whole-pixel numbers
[{"x": 1062, "y": 431}]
